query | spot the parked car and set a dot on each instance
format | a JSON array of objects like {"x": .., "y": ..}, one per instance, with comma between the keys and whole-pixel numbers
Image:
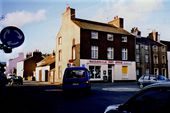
[
  {"x": 76, "y": 78},
  {"x": 13, "y": 79},
  {"x": 154, "y": 98},
  {"x": 148, "y": 79}
]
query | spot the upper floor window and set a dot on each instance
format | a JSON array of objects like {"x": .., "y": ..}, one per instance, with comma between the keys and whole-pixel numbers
[
  {"x": 59, "y": 40},
  {"x": 137, "y": 46},
  {"x": 110, "y": 37},
  {"x": 110, "y": 53},
  {"x": 73, "y": 52},
  {"x": 94, "y": 52},
  {"x": 155, "y": 59},
  {"x": 59, "y": 55},
  {"x": 155, "y": 48},
  {"x": 94, "y": 35},
  {"x": 163, "y": 49},
  {"x": 124, "y": 54},
  {"x": 163, "y": 59},
  {"x": 124, "y": 38},
  {"x": 146, "y": 58},
  {"x": 137, "y": 58},
  {"x": 146, "y": 47}
]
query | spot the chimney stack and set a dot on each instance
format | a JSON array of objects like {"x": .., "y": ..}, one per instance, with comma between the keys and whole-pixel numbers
[
  {"x": 135, "y": 31},
  {"x": 118, "y": 22},
  {"x": 70, "y": 13},
  {"x": 154, "y": 36}
]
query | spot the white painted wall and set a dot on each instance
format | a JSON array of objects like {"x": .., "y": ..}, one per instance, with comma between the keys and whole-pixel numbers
[
  {"x": 20, "y": 68},
  {"x": 168, "y": 54}
]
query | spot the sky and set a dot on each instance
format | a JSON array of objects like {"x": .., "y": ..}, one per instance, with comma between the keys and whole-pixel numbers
[{"x": 40, "y": 20}]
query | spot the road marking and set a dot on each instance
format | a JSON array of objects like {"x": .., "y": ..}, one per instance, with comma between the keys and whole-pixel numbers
[{"x": 120, "y": 89}]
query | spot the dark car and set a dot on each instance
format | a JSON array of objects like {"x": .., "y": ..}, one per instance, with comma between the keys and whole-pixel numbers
[
  {"x": 76, "y": 78},
  {"x": 148, "y": 79},
  {"x": 13, "y": 79},
  {"x": 154, "y": 98}
]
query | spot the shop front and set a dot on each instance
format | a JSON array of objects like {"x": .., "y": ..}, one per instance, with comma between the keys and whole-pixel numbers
[{"x": 110, "y": 71}]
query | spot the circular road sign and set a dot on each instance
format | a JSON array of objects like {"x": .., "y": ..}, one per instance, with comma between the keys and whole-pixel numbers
[{"x": 12, "y": 36}]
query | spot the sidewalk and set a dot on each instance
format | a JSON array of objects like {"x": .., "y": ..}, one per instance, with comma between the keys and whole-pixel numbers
[{"x": 29, "y": 82}]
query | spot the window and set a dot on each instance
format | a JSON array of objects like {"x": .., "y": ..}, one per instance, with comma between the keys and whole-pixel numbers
[
  {"x": 94, "y": 35},
  {"x": 124, "y": 72},
  {"x": 163, "y": 49},
  {"x": 59, "y": 71},
  {"x": 155, "y": 48},
  {"x": 156, "y": 71},
  {"x": 95, "y": 72},
  {"x": 137, "y": 58},
  {"x": 146, "y": 58},
  {"x": 94, "y": 52},
  {"x": 59, "y": 55},
  {"x": 124, "y": 54},
  {"x": 137, "y": 46},
  {"x": 110, "y": 37},
  {"x": 155, "y": 59},
  {"x": 146, "y": 47},
  {"x": 73, "y": 52},
  {"x": 164, "y": 71},
  {"x": 124, "y": 38},
  {"x": 110, "y": 53},
  {"x": 163, "y": 59},
  {"x": 59, "y": 41}
]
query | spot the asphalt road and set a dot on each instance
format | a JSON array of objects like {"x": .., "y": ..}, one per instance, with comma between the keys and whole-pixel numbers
[{"x": 44, "y": 98}]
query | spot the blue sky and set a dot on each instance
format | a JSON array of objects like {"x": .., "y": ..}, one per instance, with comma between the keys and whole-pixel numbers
[{"x": 40, "y": 20}]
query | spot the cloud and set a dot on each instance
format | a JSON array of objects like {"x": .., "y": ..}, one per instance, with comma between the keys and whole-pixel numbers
[
  {"x": 20, "y": 18},
  {"x": 131, "y": 10}
]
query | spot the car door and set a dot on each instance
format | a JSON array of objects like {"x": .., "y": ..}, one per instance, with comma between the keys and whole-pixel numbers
[{"x": 154, "y": 100}]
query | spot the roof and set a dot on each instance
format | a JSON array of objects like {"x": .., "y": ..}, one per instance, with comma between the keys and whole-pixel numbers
[
  {"x": 91, "y": 25},
  {"x": 167, "y": 43},
  {"x": 46, "y": 61},
  {"x": 147, "y": 41}
]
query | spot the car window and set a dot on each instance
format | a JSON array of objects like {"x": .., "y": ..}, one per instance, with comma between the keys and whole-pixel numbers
[
  {"x": 75, "y": 74},
  {"x": 146, "y": 77},
  {"x": 150, "y": 101}
]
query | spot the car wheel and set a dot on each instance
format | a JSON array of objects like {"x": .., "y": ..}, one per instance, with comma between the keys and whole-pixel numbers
[{"x": 141, "y": 86}]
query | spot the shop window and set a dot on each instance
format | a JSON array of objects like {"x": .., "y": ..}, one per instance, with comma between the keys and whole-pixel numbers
[{"x": 95, "y": 72}]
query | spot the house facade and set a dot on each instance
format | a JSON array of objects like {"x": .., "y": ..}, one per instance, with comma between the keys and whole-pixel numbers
[
  {"x": 167, "y": 43},
  {"x": 30, "y": 64},
  {"x": 106, "y": 49},
  {"x": 45, "y": 70},
  {"x": 151, "y": 54},
  {"x": 12, "y": 64}
]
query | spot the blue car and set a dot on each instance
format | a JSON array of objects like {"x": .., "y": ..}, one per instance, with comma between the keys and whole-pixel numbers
[{"x": 76, "y": 78}]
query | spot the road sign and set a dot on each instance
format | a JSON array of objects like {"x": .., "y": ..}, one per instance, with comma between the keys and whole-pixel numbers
[{"x": 12, "y": 36}]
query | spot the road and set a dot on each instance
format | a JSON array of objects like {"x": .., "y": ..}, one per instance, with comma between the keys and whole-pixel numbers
[{"x": 34, "y": 97}]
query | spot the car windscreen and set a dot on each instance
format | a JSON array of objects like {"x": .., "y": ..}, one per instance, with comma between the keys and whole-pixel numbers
[{"x": 75, "y": 73}]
